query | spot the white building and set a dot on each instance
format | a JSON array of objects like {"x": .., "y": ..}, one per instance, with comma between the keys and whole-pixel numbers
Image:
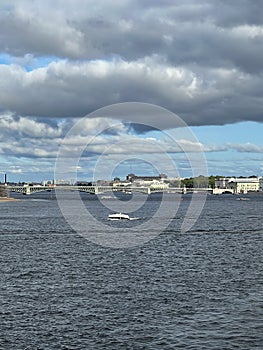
[
  {"x": 244, "y": 185},
  {"x": 150, "y": 183},
  {"x": 240, "y": 185},
  {"x": 47, "y": 182}
]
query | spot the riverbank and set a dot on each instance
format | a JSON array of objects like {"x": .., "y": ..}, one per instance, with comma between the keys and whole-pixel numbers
[{"x": 8, "y": 199}]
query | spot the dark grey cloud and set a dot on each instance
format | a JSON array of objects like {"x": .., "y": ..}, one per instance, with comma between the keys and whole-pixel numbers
[
  {"x": 238, "y": 12},
  {"x": 24, "y": 31},
  {"x": 201, "y": 60},
  {"x": 184, "y": 32},
  {"x": 73, "y": 89}
]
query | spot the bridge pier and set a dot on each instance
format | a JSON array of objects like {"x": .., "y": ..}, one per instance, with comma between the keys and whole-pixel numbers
[{"x": 28, "y": 191}]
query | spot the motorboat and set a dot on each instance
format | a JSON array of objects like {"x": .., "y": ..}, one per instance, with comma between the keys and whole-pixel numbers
[
  {"x": 118, "y": 216},
  {"x": 108, "y": 197}
]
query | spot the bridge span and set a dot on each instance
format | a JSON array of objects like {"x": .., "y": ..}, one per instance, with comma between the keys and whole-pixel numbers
[{"x": 29, "y": 189}]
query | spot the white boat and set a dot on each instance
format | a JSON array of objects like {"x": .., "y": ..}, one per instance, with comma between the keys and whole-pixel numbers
[
  {"x": 120, "y": 216},
  {"x": 108, "y": 197}
]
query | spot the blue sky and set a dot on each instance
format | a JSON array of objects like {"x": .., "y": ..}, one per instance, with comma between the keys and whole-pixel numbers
[
  {"x": 245, "y": 146},
  {"x": 245, "y": 132},
  {"x": 65, "y": 61},
  {"x": 28, "y": 61}
]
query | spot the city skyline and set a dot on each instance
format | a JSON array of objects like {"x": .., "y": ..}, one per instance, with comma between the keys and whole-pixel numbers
[
  {"x": 46, "y": 182},
  {"x": 201, "y": 61}
]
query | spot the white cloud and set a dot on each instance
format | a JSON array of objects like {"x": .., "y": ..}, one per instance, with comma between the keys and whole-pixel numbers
[
  {"x": 27, "y": 127},
  {"x": 247, "y": 148}
]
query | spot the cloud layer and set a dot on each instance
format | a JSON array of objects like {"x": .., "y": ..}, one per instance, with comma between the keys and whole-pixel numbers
[{"x": 202, "y": 60}]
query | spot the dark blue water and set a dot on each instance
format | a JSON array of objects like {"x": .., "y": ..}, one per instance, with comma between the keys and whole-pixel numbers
[{"x": 199, "y": 290}]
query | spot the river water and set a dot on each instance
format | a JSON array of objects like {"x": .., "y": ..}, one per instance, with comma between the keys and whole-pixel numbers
[{"x": 202, "y": 289}]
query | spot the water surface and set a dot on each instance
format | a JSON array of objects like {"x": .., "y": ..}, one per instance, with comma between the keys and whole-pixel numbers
[{"x": 198, "y": 290}]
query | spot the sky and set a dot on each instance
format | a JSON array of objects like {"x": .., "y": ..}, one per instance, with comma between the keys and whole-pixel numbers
[{"x": 185, "y": 79}]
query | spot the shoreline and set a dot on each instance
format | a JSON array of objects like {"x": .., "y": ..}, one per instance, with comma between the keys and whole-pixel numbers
[{"x": 8, "y": 199}]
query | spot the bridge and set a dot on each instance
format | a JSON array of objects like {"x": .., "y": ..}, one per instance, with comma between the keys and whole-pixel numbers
[{"x": 29, "y": 189}]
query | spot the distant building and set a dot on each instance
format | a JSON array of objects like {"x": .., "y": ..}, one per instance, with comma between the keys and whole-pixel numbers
[
  {"x": 243, "y": 185},
  {"x": 3, "y": 191},
  {"x": 173, "y": 181},
  {"x": 160, "y": 185},
  {"x": 221, "y": 183},
  {"x": 147, "y": 181},
  {"x": 133, "y": 178},
  {"x": 121, "y": 183},
  {"x": 239, "y": 185},
  {"x": 83, "y": 183},
  {"x": 102, "y": 183},
  {"x": 47, "y": 182},
  {"x": 261, "y": 183},
  {"x": 63, "y": 182}
]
